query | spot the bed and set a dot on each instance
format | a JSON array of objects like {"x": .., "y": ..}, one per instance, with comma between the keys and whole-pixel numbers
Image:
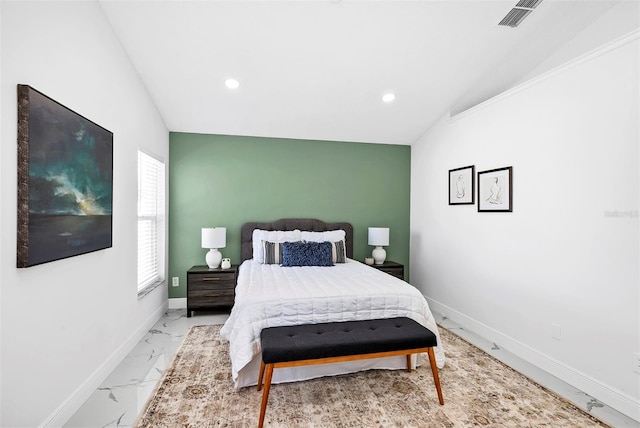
[{"x": 268, "y": 295}]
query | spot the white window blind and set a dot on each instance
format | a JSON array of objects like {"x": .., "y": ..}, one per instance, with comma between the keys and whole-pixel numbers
[{"x": 151, "y": 190}]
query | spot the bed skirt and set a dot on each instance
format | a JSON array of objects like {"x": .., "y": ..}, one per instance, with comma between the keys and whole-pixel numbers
[{"x": 248, "y": 375}]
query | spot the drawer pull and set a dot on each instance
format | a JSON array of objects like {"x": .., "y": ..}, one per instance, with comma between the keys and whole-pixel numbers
[{"x": 211, "y": 279}]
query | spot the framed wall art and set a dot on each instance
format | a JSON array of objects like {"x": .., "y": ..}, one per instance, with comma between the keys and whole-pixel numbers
[
  {"x": 462, "y": 185},
  {"x": 495, "y": 190},
  {"x": 65, "y": 181}
]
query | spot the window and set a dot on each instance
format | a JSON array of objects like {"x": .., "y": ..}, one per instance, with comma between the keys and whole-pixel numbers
[{"x": 151, "y": 223}]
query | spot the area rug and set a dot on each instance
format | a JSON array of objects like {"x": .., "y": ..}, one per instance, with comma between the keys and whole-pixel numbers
[{"x": 196, "y": 390}]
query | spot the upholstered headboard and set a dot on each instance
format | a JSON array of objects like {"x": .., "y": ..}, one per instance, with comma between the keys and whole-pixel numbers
[{"x": 310, "y": 224}]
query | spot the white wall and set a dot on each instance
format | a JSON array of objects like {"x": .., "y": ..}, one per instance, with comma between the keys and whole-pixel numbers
[
  {"x": 621, "y": 19},
  {"x": 67, "y": 323},
  {"x": 568, "y": 254}
]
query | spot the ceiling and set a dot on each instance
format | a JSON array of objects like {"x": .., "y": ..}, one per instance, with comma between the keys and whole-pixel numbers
[{"x": 318, "y": 69}]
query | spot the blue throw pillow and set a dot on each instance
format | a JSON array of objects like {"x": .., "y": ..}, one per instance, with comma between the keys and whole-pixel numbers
[{"x": 307, "y": 254}]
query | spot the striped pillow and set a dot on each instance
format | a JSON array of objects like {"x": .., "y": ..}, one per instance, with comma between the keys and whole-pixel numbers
[
  {"x": 272, "y": 252},
  {"x": 338, "y": 251}
]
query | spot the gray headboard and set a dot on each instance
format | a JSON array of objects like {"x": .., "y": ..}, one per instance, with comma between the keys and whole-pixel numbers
[{"x": 310, "y": 224}]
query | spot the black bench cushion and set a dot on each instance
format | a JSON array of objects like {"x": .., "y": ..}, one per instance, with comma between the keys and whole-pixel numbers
[{"x": 339, "y": 339}]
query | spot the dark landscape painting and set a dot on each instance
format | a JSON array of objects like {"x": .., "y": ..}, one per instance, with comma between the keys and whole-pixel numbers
[{"x": 65, "y": 181}]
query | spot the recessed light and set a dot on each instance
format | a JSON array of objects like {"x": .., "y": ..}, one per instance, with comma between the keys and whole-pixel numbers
[
  {"x": 231, "y": 83},
  {"x": 387, "y": 98}
]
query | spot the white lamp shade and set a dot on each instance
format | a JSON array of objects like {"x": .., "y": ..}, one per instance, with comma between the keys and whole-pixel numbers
[
  {"x": 214, "y": 237},
  {"x": 379, "y": 236}
]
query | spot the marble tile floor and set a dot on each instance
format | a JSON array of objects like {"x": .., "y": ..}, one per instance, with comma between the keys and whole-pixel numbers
[
  {"x": 570, "y": 393},
  {"x": 122, "y": 396}
]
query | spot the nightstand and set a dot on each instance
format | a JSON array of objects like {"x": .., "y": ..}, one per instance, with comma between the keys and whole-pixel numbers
[
  {"x": 392, "y": 268},
  {"x": 210, "y": 288}
]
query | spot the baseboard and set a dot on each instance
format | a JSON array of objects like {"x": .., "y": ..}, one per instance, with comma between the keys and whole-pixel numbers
[
  {"x": 178, "y": 303},
  {"x": 618, "y": 400},
  {"x": 70, "y": 406}
]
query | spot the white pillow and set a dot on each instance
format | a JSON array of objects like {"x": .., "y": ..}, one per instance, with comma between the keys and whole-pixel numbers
[
  {"x": 333, "y": 236},
  {"x": 260, "y": 235},
  {"x": 329, "y": 235}
]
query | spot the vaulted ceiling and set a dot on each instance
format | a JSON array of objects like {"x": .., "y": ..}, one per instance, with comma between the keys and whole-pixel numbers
[{"x": 318, "y": 69}]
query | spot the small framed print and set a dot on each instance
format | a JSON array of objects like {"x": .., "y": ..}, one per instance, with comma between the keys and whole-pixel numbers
[
  {"x": 461, "y": 185},
  {"x": 495, "y": 190}
]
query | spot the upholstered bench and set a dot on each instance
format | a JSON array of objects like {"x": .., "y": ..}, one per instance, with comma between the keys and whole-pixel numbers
[{"x": 306, "y": 344}]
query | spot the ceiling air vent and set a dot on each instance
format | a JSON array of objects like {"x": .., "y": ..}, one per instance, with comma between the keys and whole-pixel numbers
[
  {"x": 528, "y": 4},
  {"x": 519, "y": 13}
]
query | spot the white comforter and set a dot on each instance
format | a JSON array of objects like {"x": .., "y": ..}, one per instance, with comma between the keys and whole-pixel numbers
[{"x": 271, "y": 295}]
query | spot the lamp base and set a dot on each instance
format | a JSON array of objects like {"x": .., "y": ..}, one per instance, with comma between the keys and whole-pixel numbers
[
  {"x": 379, "y": 255},
  {"x": 213, "y": 258}
]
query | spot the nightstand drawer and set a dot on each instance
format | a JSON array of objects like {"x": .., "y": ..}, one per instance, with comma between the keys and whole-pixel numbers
[
  {"x": 397, "y": 272},
  {"x": 212, "y": 298},
  {"x": 206, "y": 280},
  {"x": 391, "y": 268},
  {"x": 206, "y": 291}
]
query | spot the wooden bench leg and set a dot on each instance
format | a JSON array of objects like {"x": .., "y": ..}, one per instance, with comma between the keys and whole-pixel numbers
[
  {"x": 265, "y": 394},
  {"x": 409, "y": 363},
  {"x": 260, "y": 375},
  {"x": 434, "y": 370}
]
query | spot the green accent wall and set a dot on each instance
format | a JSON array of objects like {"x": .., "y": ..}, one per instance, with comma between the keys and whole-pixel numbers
[{"x": 218, "y": 180}]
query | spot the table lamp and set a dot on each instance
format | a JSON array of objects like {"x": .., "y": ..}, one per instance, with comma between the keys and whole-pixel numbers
[
  {"x": 214, "y": 238},
  {"x": 379, "y": 237}
]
